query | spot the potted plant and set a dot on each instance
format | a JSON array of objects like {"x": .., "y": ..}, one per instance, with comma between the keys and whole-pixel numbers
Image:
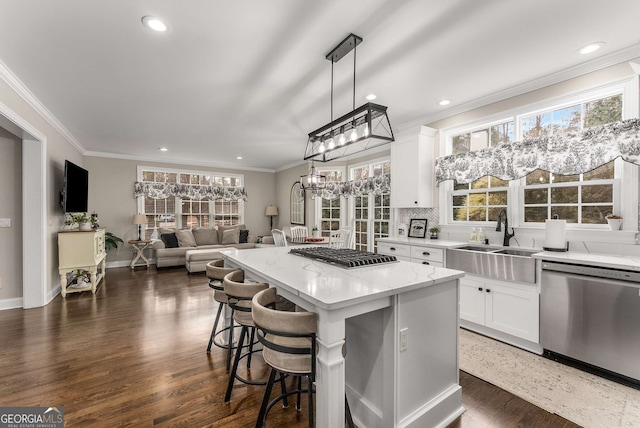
[
  {"x": 315, "y": 232},
  {"x": 615, "y": 221},
  {"x": 81, "y": 277},
  {"x": 81, "y": 219},
  {"x": 433, "y": 231},
  {"x": 111, "y": 241}
]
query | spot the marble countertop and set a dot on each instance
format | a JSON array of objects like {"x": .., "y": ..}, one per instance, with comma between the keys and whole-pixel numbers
[
  {"x": 330, "y": 287},
  {"x": 436, "y": 243},
  {"x": 599, "y": 260}
]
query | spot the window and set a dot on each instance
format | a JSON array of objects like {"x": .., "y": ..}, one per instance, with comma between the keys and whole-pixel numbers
[
  {"x": 483, "y": 199},
  {"x": 582, "y": 199},
  {"x": 371, "y": 212},
  {"x": 177, "y": 212}
]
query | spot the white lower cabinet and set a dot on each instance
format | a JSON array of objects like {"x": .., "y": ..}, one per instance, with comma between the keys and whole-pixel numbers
[{"x": 510, "y": 308}]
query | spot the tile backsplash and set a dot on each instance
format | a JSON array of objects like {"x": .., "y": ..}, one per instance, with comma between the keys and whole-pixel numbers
[{"x": 406, "y": 214}]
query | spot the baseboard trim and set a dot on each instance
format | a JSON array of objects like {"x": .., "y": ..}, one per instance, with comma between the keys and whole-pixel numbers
[{"x": 12, "y": 303}]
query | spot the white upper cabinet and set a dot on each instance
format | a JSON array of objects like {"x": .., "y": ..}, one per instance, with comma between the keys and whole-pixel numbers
[{"x": 412, "y": 165}]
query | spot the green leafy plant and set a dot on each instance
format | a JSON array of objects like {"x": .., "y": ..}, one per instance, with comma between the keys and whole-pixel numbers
[
  {"x": 434, "y": 229},
  {"x": 315, "y": 229},
  {"x": 81, "y": 275},
  {"x": 76, "y": 218},
  {"x": 111, "y": 241}
]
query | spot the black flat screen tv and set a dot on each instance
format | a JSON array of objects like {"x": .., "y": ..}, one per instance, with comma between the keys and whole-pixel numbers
[{"x": 75, "y": 194}]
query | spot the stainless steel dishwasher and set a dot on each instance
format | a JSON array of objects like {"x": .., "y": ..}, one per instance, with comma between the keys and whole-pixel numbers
[{"x": 592, "y": 314}]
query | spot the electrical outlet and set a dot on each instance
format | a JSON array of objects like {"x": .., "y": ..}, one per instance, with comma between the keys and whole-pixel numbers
[
  {"x": 404, "y": 339},
  {"x": 5, "y": 222}
]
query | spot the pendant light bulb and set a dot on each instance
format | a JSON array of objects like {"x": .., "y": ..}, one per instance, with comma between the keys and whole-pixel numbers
[
  {"x": 354, "y": 135},
  {"x": 321, "y": 148},
  {"x": 331, "y": 144},
  {"x": 366, "y": 129},
  {"x": 342, "y": 139}
]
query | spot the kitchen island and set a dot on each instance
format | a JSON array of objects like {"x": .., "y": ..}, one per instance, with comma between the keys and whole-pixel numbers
[{"x": 400, "y": 321}]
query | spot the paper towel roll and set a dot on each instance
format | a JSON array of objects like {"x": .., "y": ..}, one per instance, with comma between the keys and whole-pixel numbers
[{"x": 555, "y": 236}]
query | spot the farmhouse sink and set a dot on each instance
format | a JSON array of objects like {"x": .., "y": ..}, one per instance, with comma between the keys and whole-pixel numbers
[{"x": 504, "y": 264}]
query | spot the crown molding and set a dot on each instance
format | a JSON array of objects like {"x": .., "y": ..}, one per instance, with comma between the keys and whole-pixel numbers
[
  {"x": 21, "y": 89},
  {"x": 160, "y": 159}
]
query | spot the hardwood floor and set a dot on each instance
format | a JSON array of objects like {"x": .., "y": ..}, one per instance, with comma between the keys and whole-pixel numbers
[{"x": 134, "y": 355}]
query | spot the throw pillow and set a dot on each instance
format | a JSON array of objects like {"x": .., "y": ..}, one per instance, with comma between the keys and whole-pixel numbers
[
  {"x": 170, "y": 240},
  {"x": 244, "y": 236},
  {"x": 205, "y": 236},
  {"x": 231, "y": 236},
  {"x": 221, "y": 229},
  {"x": 185, "y": 238}
]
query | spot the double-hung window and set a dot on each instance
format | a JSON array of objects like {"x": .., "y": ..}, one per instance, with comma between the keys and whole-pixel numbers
[{"x": 176, "y": 212}]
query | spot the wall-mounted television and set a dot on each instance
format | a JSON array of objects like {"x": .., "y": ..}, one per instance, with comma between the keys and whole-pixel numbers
[{"x": 75, "y": 194}]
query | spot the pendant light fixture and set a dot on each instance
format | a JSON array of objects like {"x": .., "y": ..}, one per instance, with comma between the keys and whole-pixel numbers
[
  {"x": 313, "y": 182},
  {"x": 364, "y": 128}
]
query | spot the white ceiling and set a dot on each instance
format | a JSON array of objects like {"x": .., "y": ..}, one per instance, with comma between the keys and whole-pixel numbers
[{"x": 249, "y": 77}]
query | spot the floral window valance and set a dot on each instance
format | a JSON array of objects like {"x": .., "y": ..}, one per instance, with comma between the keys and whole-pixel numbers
[
  {"x": 191, "y": 191},
  {"x": 375, "y": 185},
  {"x": 567, "y": 154}
]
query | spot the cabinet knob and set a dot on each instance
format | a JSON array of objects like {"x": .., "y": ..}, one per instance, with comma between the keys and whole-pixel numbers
[
  {"x": 488, "y": 291},
  {"x": 425, "y": 263},
  {"x": 415, "y": 202},
  {"x": 479, "y": 288},
  {"x": 426, "y": 253},
  {"x": 392, "y": 248}
]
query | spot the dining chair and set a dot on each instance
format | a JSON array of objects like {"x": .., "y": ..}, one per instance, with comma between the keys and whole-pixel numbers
[
  {"x": 341, "y": 238},
  {"x": 299, "y": 234},
  {"x": 279, "y": 238}
]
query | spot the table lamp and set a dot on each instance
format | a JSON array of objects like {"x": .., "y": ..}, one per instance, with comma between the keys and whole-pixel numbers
[
  {"x": 139, "y": 219},
  {"x": 271, "y": 211}
]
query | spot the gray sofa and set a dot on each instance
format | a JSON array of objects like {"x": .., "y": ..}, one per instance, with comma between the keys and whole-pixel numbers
[{"x": 200, "y": 238}]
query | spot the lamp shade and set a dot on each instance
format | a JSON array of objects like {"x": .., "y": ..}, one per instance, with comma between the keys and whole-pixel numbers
[
  {"x": 139, "y": 219},
  {"x": 271, "y": 210}
]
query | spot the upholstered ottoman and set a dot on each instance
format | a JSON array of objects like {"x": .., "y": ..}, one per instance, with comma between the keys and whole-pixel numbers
[{"x": 196, "y": 260}]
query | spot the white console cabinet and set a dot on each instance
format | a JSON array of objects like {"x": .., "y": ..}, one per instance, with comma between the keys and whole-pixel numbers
[
  {"x": 81, "y": 250},
  {"x": 507, "y": 307},
  {"x": 412, "y": 163}
]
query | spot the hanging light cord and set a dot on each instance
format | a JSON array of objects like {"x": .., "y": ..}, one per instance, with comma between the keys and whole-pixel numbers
[{"x": 355, "y": 49}]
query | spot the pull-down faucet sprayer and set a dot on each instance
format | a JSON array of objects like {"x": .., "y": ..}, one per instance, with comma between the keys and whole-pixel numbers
[{"x": 507, "y": 235}]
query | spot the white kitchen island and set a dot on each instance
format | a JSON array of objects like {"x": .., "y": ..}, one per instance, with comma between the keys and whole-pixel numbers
[{"x": 373, "y": 307}]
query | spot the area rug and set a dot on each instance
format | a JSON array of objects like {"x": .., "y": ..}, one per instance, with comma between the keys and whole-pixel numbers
[{"x": 583, "y": 398}]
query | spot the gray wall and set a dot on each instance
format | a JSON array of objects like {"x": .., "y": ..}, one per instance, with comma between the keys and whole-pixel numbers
[
  {"x": 11, "y": 208},
  {"x": 111, "y": 197}
]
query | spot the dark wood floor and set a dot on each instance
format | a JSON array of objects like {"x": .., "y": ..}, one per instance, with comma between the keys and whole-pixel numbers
[{"x": 134, "y": 355}]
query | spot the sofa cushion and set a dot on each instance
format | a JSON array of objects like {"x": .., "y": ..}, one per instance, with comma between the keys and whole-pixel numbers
[
  {"x": 170, "y": 240},
  {"x": 221, "y": 230},
  {"x": 231, "y": 236},
  {"x": 185, "y": 238},
  {"x": 205, "y": 236},
  {"x": 244, "y": 236}
]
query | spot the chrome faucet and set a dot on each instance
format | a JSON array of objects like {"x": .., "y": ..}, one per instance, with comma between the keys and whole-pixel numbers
[{"x": 507, "y": 235}]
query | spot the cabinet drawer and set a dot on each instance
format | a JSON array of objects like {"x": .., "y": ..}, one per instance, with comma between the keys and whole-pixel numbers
[
  {"x": 428, "y": 262},
  {"x": 401, "y": 250},
  {"x": 428, "y": 253}
]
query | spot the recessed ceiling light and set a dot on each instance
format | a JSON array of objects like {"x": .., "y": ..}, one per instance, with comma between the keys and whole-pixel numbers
[
  {"x": 239, "y": 157},
  {"x": 371, "y": 97},
  {"x": 163, "y": 149},
  {"x": 154, "y": 23},
  {"x": 592, "y": 47},
  {"x": 444, "y": 102}
]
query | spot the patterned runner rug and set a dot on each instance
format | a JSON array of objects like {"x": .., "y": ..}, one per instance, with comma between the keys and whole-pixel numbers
[{"x": 583, "y": 398}]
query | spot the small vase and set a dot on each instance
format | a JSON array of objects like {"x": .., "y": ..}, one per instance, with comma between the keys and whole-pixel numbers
[
  {"x": 85, "y": 226},
  {"x": 315, "y": 233},
  {"x": 434, "y": 235},
  {"x": 614, "y": 223}
]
